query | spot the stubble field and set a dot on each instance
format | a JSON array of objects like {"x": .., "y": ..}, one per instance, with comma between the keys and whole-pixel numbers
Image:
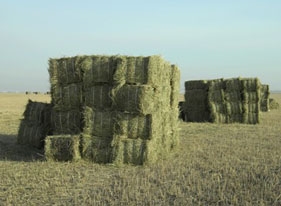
[{"x": 215, "y": 164}]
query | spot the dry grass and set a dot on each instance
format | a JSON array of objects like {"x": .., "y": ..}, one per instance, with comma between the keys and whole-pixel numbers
[{"x": 233, "y": 164}]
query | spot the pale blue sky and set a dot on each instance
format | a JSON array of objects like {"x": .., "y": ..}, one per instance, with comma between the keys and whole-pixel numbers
[{"x": 207, "y": 39}]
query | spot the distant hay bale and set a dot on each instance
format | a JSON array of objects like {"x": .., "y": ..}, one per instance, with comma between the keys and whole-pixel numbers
[
  {"x": 66, "y": 122},
  {"x": 273, "y": 104},
  {"x": 265, "y": 93},
  {"x": 196, "y": 84},
  {"x": 223, "y": 100},
  {"x": 62, "y": 148},
  {"x": 35, "y": 125}
]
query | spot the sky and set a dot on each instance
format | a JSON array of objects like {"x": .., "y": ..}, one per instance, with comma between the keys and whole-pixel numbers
[{"x": 207, "y": 39}]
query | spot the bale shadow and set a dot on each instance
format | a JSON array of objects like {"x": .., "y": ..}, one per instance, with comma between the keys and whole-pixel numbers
[{"x": 10, "y": 150}]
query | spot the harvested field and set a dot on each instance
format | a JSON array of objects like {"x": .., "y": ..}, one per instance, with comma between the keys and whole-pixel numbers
[{"x": 215, "y": 164}]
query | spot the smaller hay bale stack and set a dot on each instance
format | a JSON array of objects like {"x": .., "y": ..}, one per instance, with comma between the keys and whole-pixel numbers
[
  {"x": 223, "y": 100},
  {"x": 35, "y": 125},
  {"x": 265, "y": 93},
  {"x": 62, "y": 148}
]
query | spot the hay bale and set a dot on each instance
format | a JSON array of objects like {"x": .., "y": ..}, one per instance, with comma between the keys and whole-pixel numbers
[
  {"x": 273, "y": 104},
  {"x": 66, "y": 122},
  {"x": 98, "y": 97},
  {"x": 135, "y": 99},
  {"x": 251, "y": 84},
  {"x": 35, "y": 125},
  {"x": 67, "y": 97},
  {"x": 196, "y": 84},
  {"x": 233, "y": 84},
  {"x": 32, "y": 135},
  {"x": 175, "y": 87},
  {"x": 65, "y": 70},
  {"x": 100, "y": 70},
  {"x": 130, "y": 151},
  {"x": 62, "y": 148},
  {"x": 265, "y": 93},
  {"x": 133, "y": 126},
  {"x": 98, "y": 123},
  {"x": 96, "y": 149}
]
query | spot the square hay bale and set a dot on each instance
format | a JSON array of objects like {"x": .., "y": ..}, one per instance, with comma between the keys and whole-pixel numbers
[
  {"x": 251, "y": 84},
  {"x": 136, "y": 99},
  {"x": 232, "y": 85},
  {"x": 175, "y": 86},
  {"x": 101, "y": 70},
  {"x": 67, "y": 97},
  {"x": 265, "y": 93},
  {"x": 32, "y": 135},
  {"x": 98, "y": 123},
  {"x": 62, "y": 148},
  {"x": 66, "y": 122},
  {"x": 133, "y": 126},
  {"x": 98, "y": 97},
  {"x": 66, "y": 70},
  {"x": 273, "y": 104},
  {"x": 35, "y": 125},
  {"x": 96, "y": 149},
  {"x": 130, "y": 151}
]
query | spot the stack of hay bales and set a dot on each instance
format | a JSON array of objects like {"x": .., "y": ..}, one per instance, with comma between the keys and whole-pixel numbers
[
  {"x": 196, "y": 102},
  {"x": 128, "y": 107},
  {"x": 265, "y": 93},
  {"x": 223, "y": 100},
  {"x": 35, "y": 125}
]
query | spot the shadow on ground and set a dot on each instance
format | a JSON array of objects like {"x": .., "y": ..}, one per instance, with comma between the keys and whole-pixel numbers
[{"x": 10, "y": 150}]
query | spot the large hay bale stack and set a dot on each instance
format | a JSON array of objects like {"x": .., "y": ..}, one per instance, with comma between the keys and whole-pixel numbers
[
  {"x": 128, "y": 106},
  {"x": 223, "y": 100},
  {"x": 35, "y": 125}
]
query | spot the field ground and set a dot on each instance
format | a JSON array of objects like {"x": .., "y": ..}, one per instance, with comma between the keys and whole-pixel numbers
[{"x": 215, "y": 164}]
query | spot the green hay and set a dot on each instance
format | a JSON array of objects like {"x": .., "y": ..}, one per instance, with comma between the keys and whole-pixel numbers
[
  {"x": 67, "y": 97},
  {"x": 215, "y": 84},
  {"x": 251, "y": 97},
  {"x": 100, "y": 70},
  {"x": 133, "y": 126},
  {"x": 234, "y": 118},
  {"x": 196, "y": 84},
  {"x": 66, "y": 122},
  {"x": 232, "y": 96},
  {"x": 62, "y": 148},
  {"x": 98, "y": 123},
  {"x": 265, "y": 107},
  {"x": 195, "y": 97},
  {"x": 232, "y": 85},
  {"x": 251, "y": 118},
  {"x": 32, "y": 135},
  {"x": 65, "y": 71},
  {"x": 250, "y": 84},
  {"x": 96, "y": 149},
  {"x": 35, "y": 125},
  {"x": 130, "y": 151},
  {"x": 273, "y": 104},
  {"x": 175, "y": 86},
  {"x": 234, "y": 108},
  {"x": 136, "y": 99},
  {"x": 98, "y": 97},
  {"x": 216, "y": 96}
]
